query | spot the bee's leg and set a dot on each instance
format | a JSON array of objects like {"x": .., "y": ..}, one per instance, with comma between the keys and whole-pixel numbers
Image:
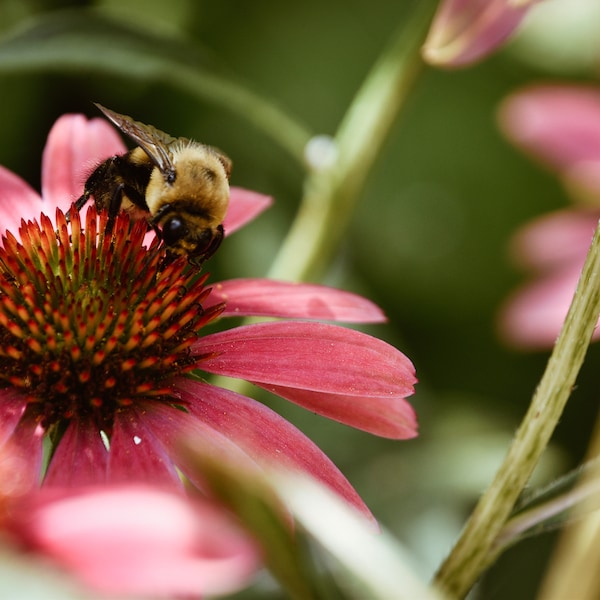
[
  {"x": 210, "y": 250},
  {"x": 95, "y": 184},
  {"x": 114, "y": 206},
  {"x": 156, "y": 229},
  {"x": 216, "y": 242},
  {"x": 79, "y": 203}
]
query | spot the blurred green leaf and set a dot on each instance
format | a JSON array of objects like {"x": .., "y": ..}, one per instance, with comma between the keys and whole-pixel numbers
[
  {"x": 261, "y": 513},
  {"x": 84, "y": 41},
  {"x": 329, "y": 552},
  {"x": 372, "y": 564}
]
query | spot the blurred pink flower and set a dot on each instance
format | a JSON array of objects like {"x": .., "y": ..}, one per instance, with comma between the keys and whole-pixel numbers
[
  {"x": 465, "y": 31},
  {"x": 96, "y": 337},
  {"x": 559, "y": 125},
  {"x": 134, "y": 540}
]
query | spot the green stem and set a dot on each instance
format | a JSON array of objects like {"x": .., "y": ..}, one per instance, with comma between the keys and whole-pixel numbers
[
  {"x": 474, "y": 550},
  {"x": 332, "y": 192}
]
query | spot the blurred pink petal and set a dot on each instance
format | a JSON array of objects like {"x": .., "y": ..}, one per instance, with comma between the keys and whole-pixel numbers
[
  {"x": 265, "y": 437},
  {"x": 465, "y": 31},
  {"x": 533, "y": 315},
  {"x": 326, "y": 359},
  {"x": 555, "y": 240},
  {"x": 560, "y": 126},
  {"x": 75, "y": 146},
  {"x": 267, "y": 297},
  {"x": 139, "y": 540},
  {"x": 244, "y": 206},
  {"x": 17, "y": 201}
]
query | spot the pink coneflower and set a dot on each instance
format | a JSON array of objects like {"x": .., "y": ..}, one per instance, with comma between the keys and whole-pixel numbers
[
  {"x": 559, "y": 125},
  {"x": 98, "y": 340}
]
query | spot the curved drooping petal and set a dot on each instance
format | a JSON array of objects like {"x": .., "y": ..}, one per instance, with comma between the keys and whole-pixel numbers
[
  {"x": 74, "y": 147},
  {"x": 80, "y": 458},
  {"x": 138, "y": 540},
  {"x": 465, "y": 31},
  {"x": 270, "y": 298},
  {"x": 18, "y": 200},
  {"x": 347, "y": 367},
  {"x": 265, "y": 438},
  {"x": 389, "y": 417},
  {"x": 244, "y": 206},
  {"x": 560, "y": 126}
]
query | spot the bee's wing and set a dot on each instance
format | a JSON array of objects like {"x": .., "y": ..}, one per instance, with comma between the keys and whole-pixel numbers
[{"x": 154, "y": 142}]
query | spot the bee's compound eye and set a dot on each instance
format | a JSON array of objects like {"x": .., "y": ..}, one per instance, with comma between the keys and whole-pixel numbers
[{"x": 173, "y": 230}]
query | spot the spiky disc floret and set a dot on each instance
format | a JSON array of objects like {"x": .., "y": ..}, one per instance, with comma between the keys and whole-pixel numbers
[{"x": 90, "y": 321}]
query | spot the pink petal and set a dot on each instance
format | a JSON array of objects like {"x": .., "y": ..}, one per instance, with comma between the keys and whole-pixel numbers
[
  {"x": 172, "y": 426},
  {"x": 20, "y": 446},
  {"x": 560, "y": 125},
  {"x": 555, "y": 240},
  {"x": 391, "y": 418},
  {"x": 312, "y": 356},
  {"x": 345, "y": 366},
  {"x": 12, "y": 407},
  {"x": 244, "y": 206},
  {"x": 26, "y": 445},
  {"x": 140, "y": 540},
  {"x": 465, "y": 31},
  {"x": 583, "y": 181},
  {"x": 17, "y": 201},
  {"x": 269, "y": 298},
  {"x": 136, "y": 455},
  {"x": 79, "y": 459},
  {"x": 75, "y": 146},
  {"x": 265, "y": 436},
  {"x": 533, "y": 316}
]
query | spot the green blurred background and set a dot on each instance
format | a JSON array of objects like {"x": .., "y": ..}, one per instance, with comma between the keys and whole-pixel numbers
[{"x": 428, "y": 241}]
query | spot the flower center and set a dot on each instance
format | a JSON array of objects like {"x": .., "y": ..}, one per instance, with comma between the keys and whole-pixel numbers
[{"x": 91, "y": 321}]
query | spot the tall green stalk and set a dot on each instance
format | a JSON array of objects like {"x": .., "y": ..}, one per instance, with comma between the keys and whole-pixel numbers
[
  {"x": 331, "y": 192},
  {"x": 475, "y": 549}
]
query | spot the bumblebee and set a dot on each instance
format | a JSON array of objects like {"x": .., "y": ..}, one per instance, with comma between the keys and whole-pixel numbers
[{"x": 179, "y": 186}]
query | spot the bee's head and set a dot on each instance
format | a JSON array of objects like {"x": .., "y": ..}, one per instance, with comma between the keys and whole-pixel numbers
[
  {"x": 187, "y": 235},
  {"x": 189, "y": 207}
]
